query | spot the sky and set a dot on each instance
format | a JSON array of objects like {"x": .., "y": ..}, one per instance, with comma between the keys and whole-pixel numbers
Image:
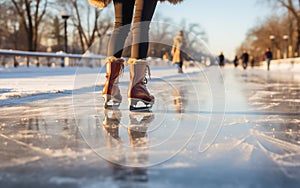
[{"x": 226, "y": 22}]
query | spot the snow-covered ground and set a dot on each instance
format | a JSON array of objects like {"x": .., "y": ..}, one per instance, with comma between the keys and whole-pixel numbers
[
  {"x": 209, "y": 128},
  {"x": 283, "y": 65},
  {"x": 22, "y": 82}
]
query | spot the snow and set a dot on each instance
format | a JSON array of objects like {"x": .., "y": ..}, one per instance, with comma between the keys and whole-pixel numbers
[{"x": 23, "y": 81}]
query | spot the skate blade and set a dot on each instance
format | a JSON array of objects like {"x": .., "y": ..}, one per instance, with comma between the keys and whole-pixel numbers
[
  {"x": 134, "y": 105},
  {"x": 111, "y": 106},
  {"x": 111, "y": 102},
  {"x": 140, "y": 109}
]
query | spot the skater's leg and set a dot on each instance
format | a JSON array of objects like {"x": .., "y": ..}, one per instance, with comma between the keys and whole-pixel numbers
[
  {"x": 180, "y": 67},
  {"x": 245, "y": 65},
  {"x": 268, "y": 63},
  {"x": 114, "y": 65},
  {"x": 123, "y": 18},
  {"x": 143, "y": 14},
  {"x": 138, "y": 91}
]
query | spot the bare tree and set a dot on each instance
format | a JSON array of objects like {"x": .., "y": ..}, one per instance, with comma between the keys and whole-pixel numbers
[
  {"x": 5, "y": 15},
  {"x": 31, "y": 14},
  {"x": 258, "y": 38},
  {"x": 195, "y": 38},
  {"x": 11, "y": 31},
  {"x": 89, "y": 22},
  {"x": 293, "y": 7},
  {"x": 161, "y": 36},
  {"x": 55, "y": 32},
  {"x": 163, "y": 32}
]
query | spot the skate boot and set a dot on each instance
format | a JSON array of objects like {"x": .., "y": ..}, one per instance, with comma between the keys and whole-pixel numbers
[
  {"x": 111, "y": 91},
  {"x": 138, "y": 92}
]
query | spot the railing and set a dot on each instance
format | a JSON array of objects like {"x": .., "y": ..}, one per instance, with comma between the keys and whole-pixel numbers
[
  {"x": 9, "y": 58},
  {"x": 287, "y": 61},
  {"x": 16, "y": 58}
]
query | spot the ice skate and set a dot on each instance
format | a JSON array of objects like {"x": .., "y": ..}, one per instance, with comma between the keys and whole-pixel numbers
[
  {"x": 111, "y": 92},
  {"x": 111, "y": 102},
  {"x": 140, "y": 105},
  {"x": 138, "y": 95}
]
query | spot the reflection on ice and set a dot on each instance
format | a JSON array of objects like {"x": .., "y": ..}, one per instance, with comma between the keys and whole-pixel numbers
[
  {"x": 180, "y": 100},
  {"x": 120, "y": 151},
  {"x": 27, "y": 136},
  {"x": 139, "y": 139},
  {"x": 137, "y": 156}
]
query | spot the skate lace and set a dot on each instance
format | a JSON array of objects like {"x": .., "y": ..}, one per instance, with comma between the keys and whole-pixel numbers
[
  {"x": 149, "y": 75},
  {"x": 122, "y": 70}
]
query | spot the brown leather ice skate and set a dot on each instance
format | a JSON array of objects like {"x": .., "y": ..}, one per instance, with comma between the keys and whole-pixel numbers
[
  {"x": 137, "y": 91},
  {"x": 111, "y": 92}
]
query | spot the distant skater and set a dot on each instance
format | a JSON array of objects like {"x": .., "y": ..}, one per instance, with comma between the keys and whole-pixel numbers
[
  {"x": 221, "y": 59},
  {"x": 177, "y": 50},
  {"x": 245, "y": 59},
  {"x": 252, "y": 61},
  {"x": 269, "y": 57},
  {"x": 236, "y": 61}
]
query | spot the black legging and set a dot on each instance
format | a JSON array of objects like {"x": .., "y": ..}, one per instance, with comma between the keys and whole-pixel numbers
[{"x": 142, "y": 16}]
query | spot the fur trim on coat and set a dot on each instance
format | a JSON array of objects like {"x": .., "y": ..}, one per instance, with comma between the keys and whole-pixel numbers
[
  {"x": 172, "y": 1},
  {"x": 104, "y": 3},
  {"x": 99, "y": 3}
]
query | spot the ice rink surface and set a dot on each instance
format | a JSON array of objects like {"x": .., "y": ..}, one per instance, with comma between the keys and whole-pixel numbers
[{"x": 209, "y": 127}]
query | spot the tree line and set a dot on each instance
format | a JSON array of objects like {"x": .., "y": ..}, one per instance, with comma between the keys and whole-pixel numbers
[
  {"x": 280, "y": 31},
  {"x": 38, "y": 26}
]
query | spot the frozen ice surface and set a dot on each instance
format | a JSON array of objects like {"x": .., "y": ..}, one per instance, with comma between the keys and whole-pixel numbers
[{"x": 201, "y": 132}]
